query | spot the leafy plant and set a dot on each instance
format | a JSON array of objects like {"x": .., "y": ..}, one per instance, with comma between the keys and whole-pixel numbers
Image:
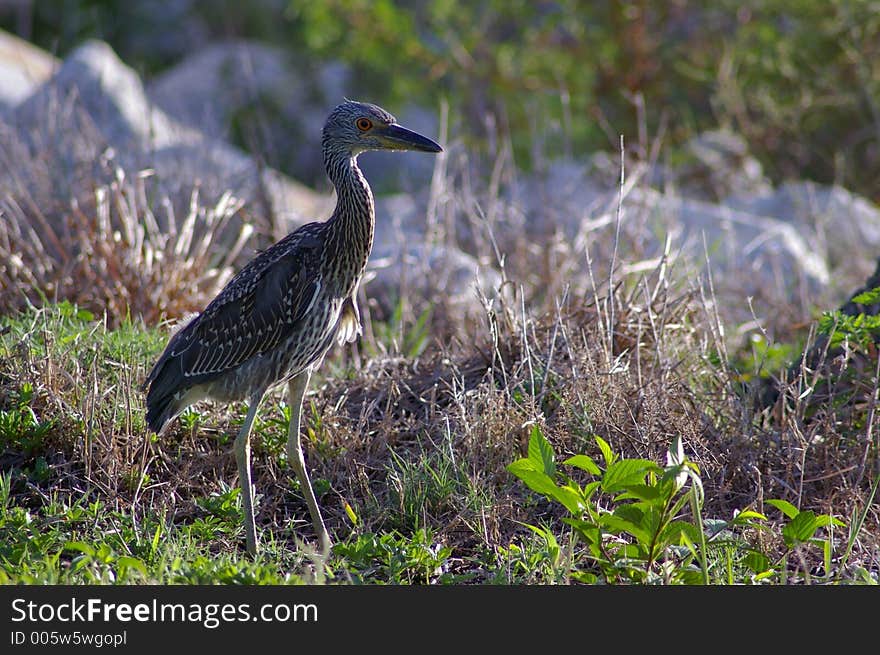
[
  {"x": 643, "y": 537},
  {"x": 224, "y": 504},
  {"x": 802, "y": 528},
  {"x": 396, "y": 558},
  {"x": 861, "y": 330},
  {"x": 20, "y": 427}
]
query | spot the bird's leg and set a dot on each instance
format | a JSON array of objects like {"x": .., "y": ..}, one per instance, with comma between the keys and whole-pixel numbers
[
  {"x": 296, "y": 389},
  {"x": 243, "y": 459}
]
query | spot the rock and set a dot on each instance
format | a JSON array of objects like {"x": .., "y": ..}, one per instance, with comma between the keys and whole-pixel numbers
[
  {"x": 400, "y": 220},
  {"x": 94, "y": 80},
  {"x": 718, "y": 164},
  {"x": 94, "y": 115},
  {"x": 23, "y": 67},
  {"x": 252, "y": 93},
  {"x": 267, "y": 103},
  {"x": 770, "y": 252},
  {"x": 843, "y": 227},
  {"x": 562, "y": 198},
  {"x": 712, "y": 165},
  {"x": 434, "y": 274},
  {"x": 406, "y": 260}
]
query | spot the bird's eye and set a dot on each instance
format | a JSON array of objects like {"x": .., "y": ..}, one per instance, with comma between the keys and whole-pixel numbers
[{"x": 364, "y": 124}]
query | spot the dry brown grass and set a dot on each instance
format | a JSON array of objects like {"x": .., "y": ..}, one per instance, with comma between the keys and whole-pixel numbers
[
  {"x": 472, "y": 404},
  {"x": 75, "y": 225}
]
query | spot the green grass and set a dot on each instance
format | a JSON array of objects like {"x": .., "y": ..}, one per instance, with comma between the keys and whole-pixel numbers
[{"x": 88, "y": 497}]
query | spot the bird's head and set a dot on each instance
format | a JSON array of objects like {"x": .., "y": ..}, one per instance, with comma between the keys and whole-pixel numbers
[{"x": 354, "y": 127}]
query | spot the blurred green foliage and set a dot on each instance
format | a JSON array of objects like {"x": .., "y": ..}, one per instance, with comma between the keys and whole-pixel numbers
[{"x": 801, "y": 81}]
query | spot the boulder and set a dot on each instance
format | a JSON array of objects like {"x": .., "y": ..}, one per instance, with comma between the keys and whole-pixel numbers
[
  {"x": 268, "y": 103},
  {"x": 718, "y": 164},
  {"x": 93, "y": 79},
  {"x": 23, "y": 67},
  {"x": 435, "y": 274},
  {"x": 843, "y": 228},
  {"x": 407, "y": 259},
  {"x": 762, "y": 247},
  {"x": 93, "y": 115},
  {"x": 255, "y": 94}
]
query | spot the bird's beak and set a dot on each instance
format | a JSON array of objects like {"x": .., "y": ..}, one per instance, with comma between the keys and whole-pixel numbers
[{"x": 395, "y": 137}]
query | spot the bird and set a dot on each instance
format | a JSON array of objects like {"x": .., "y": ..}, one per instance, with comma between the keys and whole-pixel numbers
[{"x": 274, "y": 321}]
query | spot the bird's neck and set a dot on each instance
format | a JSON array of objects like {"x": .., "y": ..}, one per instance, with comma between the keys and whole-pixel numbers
[{"x": 350, "y": 228}]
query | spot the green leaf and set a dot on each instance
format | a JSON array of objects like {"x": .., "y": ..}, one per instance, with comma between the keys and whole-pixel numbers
[
  {"x": 80, "y": 546},
  {"x": 540, "y": 451},
  {"x": 671, "y": 534},
  {"x": 569, "y": 498},
  {"x": 800, "y": 529},
  {"x": 642, "y": 492},
  {"x": 616, "y": 524},
  {"x": 824, "y": 520},
  {"x": 155, "y": 543},
  {"x": 585, "y": 463},
  {"x": 587, "y": 531},
  {"x": 689, "y": 576},
  {"x": 606, "y": 450},
  {"x": 691, "y": 531},
  {"x": 619, "y": 475},
  {"x": 784, "y": 506},
  {"x": 744, "y": 516},
  {"x": 631, "y": 512},
  {"x": 535, "y": 480},
  {"x": 714, "y": 527},
  {"x": 757, "y": 562},
  {"x": 584, "y": 577},
  {"x": 548, "y": 537},
  {"x": 868, "y": 297},
  {"x": 524, "y": 465},
  {"x": 527, "y": 470},
  {"x": 126, "y": 562}
]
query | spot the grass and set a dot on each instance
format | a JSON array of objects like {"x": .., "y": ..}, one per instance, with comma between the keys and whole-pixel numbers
[{"x": 414, "y": 462}]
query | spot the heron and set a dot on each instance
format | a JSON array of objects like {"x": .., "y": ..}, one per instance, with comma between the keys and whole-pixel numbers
[{"x": 275, "y": 320}]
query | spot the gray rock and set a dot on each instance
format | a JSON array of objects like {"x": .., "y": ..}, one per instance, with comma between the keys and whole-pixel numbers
[
  {"x": 252, "y": 93},
  {"x": 712, "y": 165},
  {"x": 769, "y": 252},
  {"x": 844, "y": 226},
  {"x": 720, "y": 165},
  {"x": 274, "y": 106},
  {"x": 562, "y": 198},
  {"x": 435, "y": 274},
  {"x": 407, "y": 260},
  {"x": 23, "y": 67},
  {"x": 400, "y": 220},
  {"x": 94, "y": 115},
  {"x": 94, "y": 80}
]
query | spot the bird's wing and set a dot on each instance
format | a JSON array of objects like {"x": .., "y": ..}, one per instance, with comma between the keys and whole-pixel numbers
[{"x": 253, "y": 313}]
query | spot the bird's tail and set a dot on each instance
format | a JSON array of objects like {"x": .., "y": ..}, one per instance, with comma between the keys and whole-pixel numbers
[
  {"x": 168, "y": 390},
  {"x": 166, "y": 397},
  {"x": 160, "y": 411}
]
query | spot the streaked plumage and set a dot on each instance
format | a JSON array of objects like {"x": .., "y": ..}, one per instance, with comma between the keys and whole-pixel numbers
[{"x": 276, "y": 319}]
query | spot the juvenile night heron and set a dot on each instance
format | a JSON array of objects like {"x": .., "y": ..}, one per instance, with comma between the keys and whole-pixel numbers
[{"x": 276, "y": 319}]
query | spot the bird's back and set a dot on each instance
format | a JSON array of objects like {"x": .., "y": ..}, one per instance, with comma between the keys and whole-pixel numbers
[{"x": 275, "y": 318}]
